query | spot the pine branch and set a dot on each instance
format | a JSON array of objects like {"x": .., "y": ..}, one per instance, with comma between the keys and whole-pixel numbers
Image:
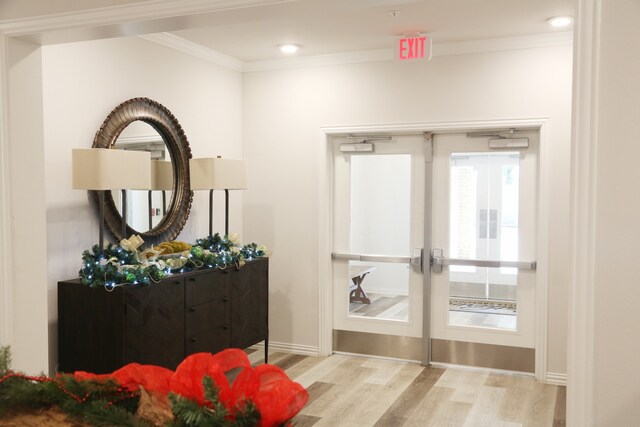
[
  {"x": 190, "y": 413},
  {"x": 5, "y": 359},
  {"x": 96, "y": 403},
  {"x": 247, "y": 415}
]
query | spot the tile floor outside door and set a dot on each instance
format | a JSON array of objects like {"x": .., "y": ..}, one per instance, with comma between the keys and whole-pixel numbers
[
  {"x": 359, "y": 391},
  {"x": 396, "y": 307}
]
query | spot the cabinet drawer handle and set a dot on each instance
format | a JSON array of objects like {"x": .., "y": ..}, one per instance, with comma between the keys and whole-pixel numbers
[
  {"x": 192, "y": 279},
  {"x": 225, "y": 299},
  {"x": 225, "y": 327},
  {"x": 192, "y": 309},
  {"x": 193, "y": 340}
]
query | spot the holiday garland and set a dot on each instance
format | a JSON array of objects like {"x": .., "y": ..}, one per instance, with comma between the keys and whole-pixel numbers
[
  {"x": 124, "y": 264},
  {"x": 198, "y": 393}
]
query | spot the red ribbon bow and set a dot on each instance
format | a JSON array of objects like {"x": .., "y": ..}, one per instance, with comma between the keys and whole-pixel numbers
[{"x": 277, "y": 398}]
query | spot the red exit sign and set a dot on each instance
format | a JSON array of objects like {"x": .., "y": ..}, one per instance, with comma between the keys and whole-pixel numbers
[{"x": 413, "y": 47}]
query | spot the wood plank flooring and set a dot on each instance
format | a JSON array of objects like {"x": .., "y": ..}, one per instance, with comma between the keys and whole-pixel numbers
[
  {"x": 394, "y": 307},
  {"x": 359, "y": 391}
]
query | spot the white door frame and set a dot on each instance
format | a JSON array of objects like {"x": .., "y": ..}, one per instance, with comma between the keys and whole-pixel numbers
[{"x": 325, "y": 220}]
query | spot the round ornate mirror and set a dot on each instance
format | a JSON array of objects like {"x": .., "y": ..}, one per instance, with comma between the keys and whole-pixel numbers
[
  {"x": 167, "y": 126},
  {"x": 146, "y": 208}
]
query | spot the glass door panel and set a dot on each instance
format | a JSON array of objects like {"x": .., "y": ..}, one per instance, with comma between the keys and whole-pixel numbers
[
  {"x": 483, "y": 225},
  {"x": 378, "y": 221},
  {"x": 484, "y": 211},
  {"x": 379, "y": 290},
  {"x": 380, "y": 225}
]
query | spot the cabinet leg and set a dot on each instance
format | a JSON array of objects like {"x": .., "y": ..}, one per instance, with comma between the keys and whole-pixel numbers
[{"x": 266, "y": 350}]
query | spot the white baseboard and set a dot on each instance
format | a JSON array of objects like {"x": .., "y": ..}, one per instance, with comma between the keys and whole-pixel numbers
[
  {"x": 556, "y": 378},
  {"x": 305, "y": 350}
]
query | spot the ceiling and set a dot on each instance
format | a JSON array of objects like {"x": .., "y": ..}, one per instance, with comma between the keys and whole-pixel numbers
[
  {"x": 251, "y": 30},
  {"x": 323, "y": 27}
]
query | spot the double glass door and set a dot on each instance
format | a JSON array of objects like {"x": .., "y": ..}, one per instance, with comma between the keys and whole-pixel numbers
[{"x": 477, "y": 206}]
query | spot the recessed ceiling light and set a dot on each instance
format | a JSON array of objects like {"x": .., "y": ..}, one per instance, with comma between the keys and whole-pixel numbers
[
  {"x": 560, "y": 21},
  {"x": 289, "y": 48}
]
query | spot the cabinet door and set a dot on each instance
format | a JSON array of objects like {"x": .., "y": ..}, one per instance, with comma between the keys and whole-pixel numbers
[
  {"x": 207, "y": 313},
  {"x": 154, "y": 324},
  {"x": 90, "y": 325},
  {"x": 249, "y": 295}
]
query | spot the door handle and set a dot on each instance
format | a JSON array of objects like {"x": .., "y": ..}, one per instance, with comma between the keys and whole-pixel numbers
[
  {"x": 438, "y": 261},
  {"x": 417, "y": 260}
]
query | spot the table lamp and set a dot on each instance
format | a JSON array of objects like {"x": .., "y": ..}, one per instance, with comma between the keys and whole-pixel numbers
[
  {"x": 103, "y": 169},
  {"x": 161, "y": 180},
  {"x": 216, "y": 173}
]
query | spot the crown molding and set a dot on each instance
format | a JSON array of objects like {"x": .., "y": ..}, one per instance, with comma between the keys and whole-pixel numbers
[
  {"x": 153, "y": 9},
  {"x": 194, "y": 49},
  {"x": 320, "y": 60},
  {"x": 564, "y": 38}
]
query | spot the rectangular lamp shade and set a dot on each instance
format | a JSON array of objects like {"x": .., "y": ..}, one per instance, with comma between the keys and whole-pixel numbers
[
  {"x": 218, "y": 174},
  {"x": 110, "y": 169},
  {"x": 161, "y": 175}
]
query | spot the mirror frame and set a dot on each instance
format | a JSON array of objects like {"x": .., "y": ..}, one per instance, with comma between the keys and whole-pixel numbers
[{"x": 165, "y": 123}]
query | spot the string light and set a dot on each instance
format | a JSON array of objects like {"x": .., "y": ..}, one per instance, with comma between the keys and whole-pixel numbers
[{"x": 121, "y": 266}]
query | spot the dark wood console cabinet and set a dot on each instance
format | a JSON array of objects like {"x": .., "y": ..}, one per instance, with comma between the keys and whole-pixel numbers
[{"x": 161, "y": 324}]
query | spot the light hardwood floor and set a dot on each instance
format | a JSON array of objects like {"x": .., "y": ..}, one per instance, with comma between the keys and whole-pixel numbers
[{"x": 359, "y": 391}]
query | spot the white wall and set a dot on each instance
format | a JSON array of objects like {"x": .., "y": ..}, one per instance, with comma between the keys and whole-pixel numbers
[
  {"x": 616, "y": 372},
  {"x": 26, "y": 296},
  {"x": 82, "y": 83},
  {"x": 284, "y": 111}
]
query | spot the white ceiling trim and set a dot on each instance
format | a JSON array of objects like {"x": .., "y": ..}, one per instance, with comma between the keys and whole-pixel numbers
[
  {"x": 564, "y": 38},
  {"x": 320, "y": 60},
  {"x": 194, "y": 49},
  {"x": 439, "y": 49},
  {"x": 122, "y": 13}
]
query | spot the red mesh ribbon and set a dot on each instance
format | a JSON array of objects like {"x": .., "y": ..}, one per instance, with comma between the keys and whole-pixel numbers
[
  {"x": 187, "y": 380},
  {"x": 153, "y": 379},
  {"x": 276, "y": 397}
]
